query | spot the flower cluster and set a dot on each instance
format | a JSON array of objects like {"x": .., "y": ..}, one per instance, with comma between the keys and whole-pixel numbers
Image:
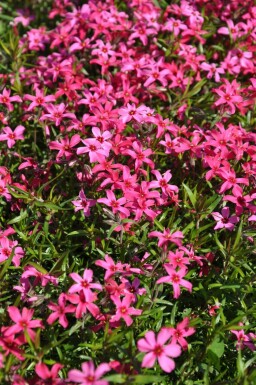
[{"x": 127, "y": 190}]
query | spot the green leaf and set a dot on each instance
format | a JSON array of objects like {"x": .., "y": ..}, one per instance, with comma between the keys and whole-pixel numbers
[
  {"x": 238, "y": 236},
  {"x": 147, "y": 379},
  {"x": 23, "y": 215},
  {"x": 116, "y": 378},
  {"x": 217, "y": 347},
  {"x": 192, "y": 196},
  {"x": 196, "y": 89}
]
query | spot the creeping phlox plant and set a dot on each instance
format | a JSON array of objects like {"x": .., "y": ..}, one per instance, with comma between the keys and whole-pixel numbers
[{"x": 127, "y": 192}]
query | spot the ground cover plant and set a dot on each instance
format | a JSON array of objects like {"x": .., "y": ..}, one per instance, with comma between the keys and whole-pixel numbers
[{"x": 127, "y": 192}]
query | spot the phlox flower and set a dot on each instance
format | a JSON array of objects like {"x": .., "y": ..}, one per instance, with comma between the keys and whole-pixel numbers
[
  {"x": 64, "y": 146},
  {"x": 157, "y": 350},
  {"x": 84, "y": 303},
  {"x": 212, "y": 71},
  {"x": 133, "y": 288},
  {"x": 244, "y": 339},
  {"x": 11, "y": 344},
  {"x": 12, "y": 136},
  {"x": 131, "y": 111},
  {"x": 110, "y": 266},
  {"x": 224, "y": 220},
  {"x": 166, "y": 237},
  {"x": 56, "y": 113},
  {"x": 49, "y": 375},
  {"x": 84, "y": 283},
  {"x": 94, "y": 149},
  {"x": 6, "y": 99},
  {"x": 4, "y": 190},
  {"x": 229, "y": 94},
  {"x": 140, "y": 155},
  {"x": 182, "y": 330},
  {"x": 38, "y": 100},
  {"x": 124, "y": 310},
  {"x": 89, "y": 375},
  {"x": 84, "y": 204},
  {"x": 40, "y": 278},
  {"x": 232, "y": 30},
  {"x": 59, "y": 311},
  {"x": 23, "y": 322},
  {"x": 176, "y": 279},
  {"x": 8, "y": 248},
  {"x": 115, "y": 204}
]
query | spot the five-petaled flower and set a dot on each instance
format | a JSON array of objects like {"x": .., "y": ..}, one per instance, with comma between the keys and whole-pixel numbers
[{"x": 157, "y": 349}]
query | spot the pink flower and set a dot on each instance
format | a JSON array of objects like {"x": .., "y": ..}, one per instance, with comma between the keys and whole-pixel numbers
[
  {"x": 84, "y": 204},
  {"x": 140, "y": 155},
  {"x": 84, "y": 283},
  {"x": 115, "y": 204},
  {"x": 6, "y": 99},
  {"x": 40, "y": 278},
  {"x": 48, "y": 375},
  {"x": 39, "y": 100},
  {"x": 110, "y": 266},
  {"x": 229, "y": 95},
  {"x": 182, "y": 330},
  {"x": 65, "y": 146},
  {"x": 176, "y": 279},
  {"x": 59, "y": 311},
  {"x": 166, "y": 236},
  {"x": 89, "y": 375},
  {"x": 94, "y": 148},
  {"x": 124, "y": 310},
  {"x": 23, "y": 322},
  {"x": 224, "y": 220},
  {"x": 12, "y": 136},
  {"x": 56, "y": 113},
  {"x": 244, "y": 339},
  {"x": 157, "y": 350},
  {"x": 84, "y": 303},
  {"x": 132, "y": 112}
]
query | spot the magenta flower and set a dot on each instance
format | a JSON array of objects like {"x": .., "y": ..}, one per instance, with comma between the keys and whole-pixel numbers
[
  {"x": 49, "y": 375},
  {"x": 124, "y": 310},
  {"x": 182, "y": 330},
  {"x": 115, "y": 204},
  {"x": 39, "y": 99},
  {"x": 176, "y": 279},
  {"x": 65, "y": 146},
  {"x": 110, "y": 266},
  {"x": 89, "y": 375},
  {"x": 6, "y": 99},
  {"x": 23, "y": 322},
  {"x": 166, "y": 236},
  {"x": 157, "y": 350},
  {"x": 84, "y": 283},
  {"x": 12, "y": 136},
  {"x": 224, "y": 220},
  {"x": 60, "y": 310},
  {"x": 56, "y": 113},
  {"x": 84, "y": 204}
]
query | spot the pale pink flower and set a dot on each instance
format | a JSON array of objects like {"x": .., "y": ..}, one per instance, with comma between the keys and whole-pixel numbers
[
  {"x": 224, "y": 220},
  {"x": 157, "y": 350},
  {"x": 12, "y": 136},
  {"x": 89, "y": 375}
]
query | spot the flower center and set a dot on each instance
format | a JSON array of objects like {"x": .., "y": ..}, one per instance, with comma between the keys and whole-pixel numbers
[{"x": 158, "y": 350}]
